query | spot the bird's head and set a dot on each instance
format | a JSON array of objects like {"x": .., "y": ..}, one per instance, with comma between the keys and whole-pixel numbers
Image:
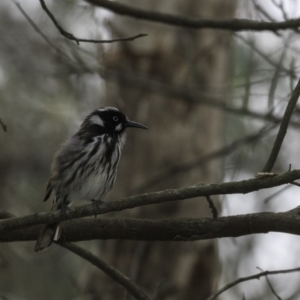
[{"x": 108, "y": 120}]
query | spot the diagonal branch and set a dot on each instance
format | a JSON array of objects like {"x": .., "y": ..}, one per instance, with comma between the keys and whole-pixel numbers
[
  {"x": 70, "y": 36},
  {"x": 192, "y": 22},
  {"x": 282, "y": 129},
  {"x": 36, "y": 28},
  {"x": 201, "y": 190},
  {"x": 110, "y": 271},
  {"x": 256, "y": 276}
]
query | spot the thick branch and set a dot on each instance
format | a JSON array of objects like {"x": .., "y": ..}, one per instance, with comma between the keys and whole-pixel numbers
[
  {"x": 282, "y": 129},
  {"x": 199, "y": 190},
  {"x": 192, "y": 22},
  {"x": 173, "y": 229}
]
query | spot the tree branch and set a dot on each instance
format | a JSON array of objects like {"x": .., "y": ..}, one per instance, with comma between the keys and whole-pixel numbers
[
  {"x": 110, "y": 271},
  {"x": 70, "y": 36},
  {"x": 212, "y": 207},
  {"x": 256, "y": 276},
  {"x": 192, "y": 22},
  {"x": 282, "y": 129},
  {"x": 270, "y": 285},
  {"x": 36, "y": 28},
  {"x": 172, "y": 229},
  {"x": 201, "y": 190}
]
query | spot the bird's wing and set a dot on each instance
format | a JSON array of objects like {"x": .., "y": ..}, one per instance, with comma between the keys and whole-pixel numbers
[{"x": 48, "y": 190}]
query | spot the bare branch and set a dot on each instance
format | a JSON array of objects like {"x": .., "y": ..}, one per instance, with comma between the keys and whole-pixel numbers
[
  {"x": 70, "y": 36},
  {"x": 66, "y": 58},
  {"x": 200, "y": 190},
  {"x": 196, "y": 23},
  {"x": 266, "y": 57},
  {"x": 171, "y": 229},
  {"x": 274, "y": 81},
  {"x": 263, "y": 12},
  {"x": 256, "y": 276},
  {"x": 110, "y": 271},
  {"x": 279, "y": 5},
  {"x": 36, "y": 28},
  {"x": 272, "y": 196},
  {"x": 282, "y": 129},
  {"x": 270, "y": 285},
  {"x": 212, "y": 207}
]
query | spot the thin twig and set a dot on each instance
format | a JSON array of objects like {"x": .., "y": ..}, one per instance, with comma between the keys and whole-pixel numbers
[
  {"x": 3, "y": 125},
  {"x": 136, "y": 264},
  {"x": 256, "y": 276},
  {"x": 279, "y": 5},
  {"x": 110, "y": 271},
  {"x": 212, "y": 207},
  {"x": 70, "y": 36},
  {"x": 270, "y": 286},
  {"x": 248, "y": 84},
  {"x": 48, "y": 41},
  {"x": 272, "y": 196},
  {"x": 282, "y": 129},
  {"x": 263, "y": 12},
  {"x": 266, "y": 57},
  {"x": 274, "y": 81},
  {"x": 35, "y": 27},
  {"x": 196, "y": 23}
]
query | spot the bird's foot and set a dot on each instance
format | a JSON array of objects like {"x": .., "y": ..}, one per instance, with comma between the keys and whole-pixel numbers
[
  {"x": 65, "y": 210},
  {"x": 96, "y": 204}
]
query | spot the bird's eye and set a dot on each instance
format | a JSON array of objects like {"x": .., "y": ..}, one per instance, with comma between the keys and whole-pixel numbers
[{"x": 115, "y": 118}]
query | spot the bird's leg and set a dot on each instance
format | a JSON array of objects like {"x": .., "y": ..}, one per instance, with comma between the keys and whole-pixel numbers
[
  {"x": 65, "y": 209},
  {"x": 96, "y": 204},
  {"x": 65, "y": 206}
]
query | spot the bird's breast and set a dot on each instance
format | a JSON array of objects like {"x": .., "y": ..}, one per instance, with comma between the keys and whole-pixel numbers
[{"x": 98, "y": 175}]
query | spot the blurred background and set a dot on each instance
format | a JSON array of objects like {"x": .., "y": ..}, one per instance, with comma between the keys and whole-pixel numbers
[{"x": 212, "y": 100}]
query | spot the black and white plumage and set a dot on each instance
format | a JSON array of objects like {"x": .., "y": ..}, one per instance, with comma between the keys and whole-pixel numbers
[{"x": 85, "y": 167}]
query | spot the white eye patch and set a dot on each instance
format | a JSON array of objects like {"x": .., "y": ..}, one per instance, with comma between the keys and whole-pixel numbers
[
  {"x": 119, "y": 127},
  {"x": 97, "y": 120}
]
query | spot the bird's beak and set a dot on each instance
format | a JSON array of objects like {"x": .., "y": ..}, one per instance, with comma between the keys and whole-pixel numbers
[{"x": 135, "y": 124}]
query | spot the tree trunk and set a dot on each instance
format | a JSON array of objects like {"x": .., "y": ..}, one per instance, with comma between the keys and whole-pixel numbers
[{"x": 179, "y": 132}]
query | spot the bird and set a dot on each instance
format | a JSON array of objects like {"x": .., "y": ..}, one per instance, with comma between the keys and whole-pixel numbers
[{"x": 85, "y": 166}]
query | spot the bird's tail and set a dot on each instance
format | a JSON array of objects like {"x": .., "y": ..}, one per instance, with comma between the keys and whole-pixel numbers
[{"x": 48, "y": 234}]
